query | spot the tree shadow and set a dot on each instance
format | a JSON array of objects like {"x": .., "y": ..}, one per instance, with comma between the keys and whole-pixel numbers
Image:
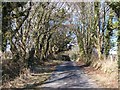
[
  {"x": 58, "y": 79},
  {"x": 63, "y": 70},
  {"x": 69, "y": 68}
]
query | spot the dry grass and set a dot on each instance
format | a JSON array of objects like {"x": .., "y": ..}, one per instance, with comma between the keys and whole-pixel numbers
[
  {"x": 28, "y": 79},
  {"x": 103, "y": 80},
  {"x": 106, "y": 76}
]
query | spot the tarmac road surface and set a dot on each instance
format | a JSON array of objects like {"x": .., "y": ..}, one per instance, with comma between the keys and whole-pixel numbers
[{"x": 69, "y": 75}]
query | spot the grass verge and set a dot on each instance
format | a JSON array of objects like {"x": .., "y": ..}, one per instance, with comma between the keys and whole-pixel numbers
[
  {"x": 32, "y": 79},
  {"x": 101, "y": 78}
]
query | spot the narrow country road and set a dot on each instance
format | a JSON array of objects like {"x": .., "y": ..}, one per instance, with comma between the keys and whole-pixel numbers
[{"x": 69, "y": 75}]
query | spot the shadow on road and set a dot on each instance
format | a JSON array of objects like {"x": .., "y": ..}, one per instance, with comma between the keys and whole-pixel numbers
[
  {"x": 68, "y": 70},
  {"x": 69, "y": 67},
  {"x": 67, "y": 76}
]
